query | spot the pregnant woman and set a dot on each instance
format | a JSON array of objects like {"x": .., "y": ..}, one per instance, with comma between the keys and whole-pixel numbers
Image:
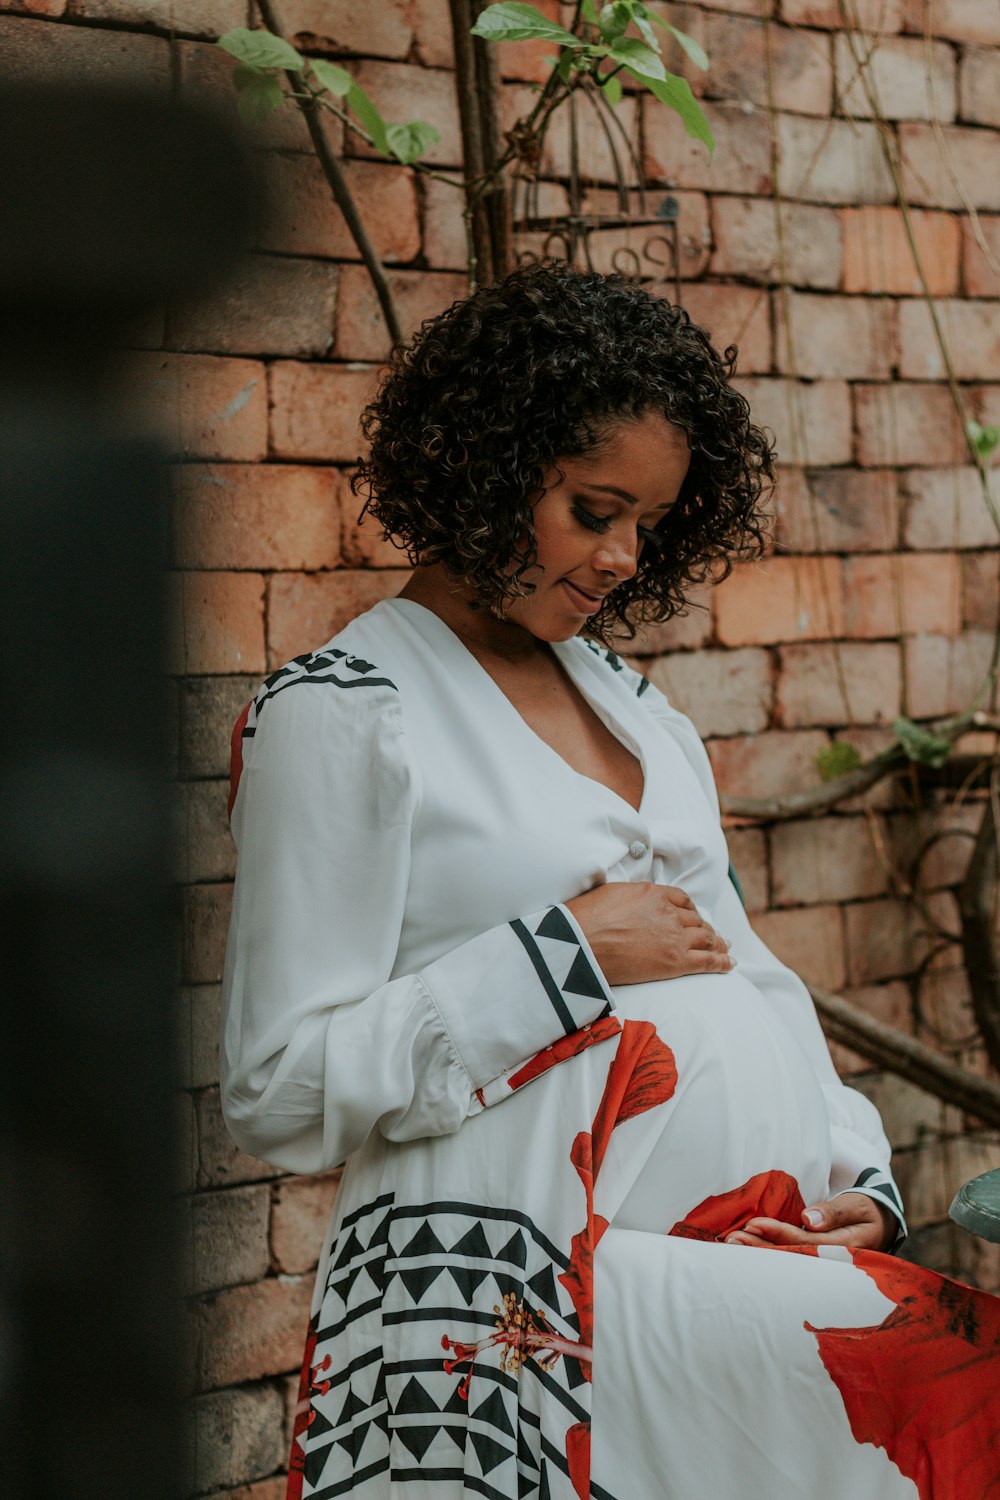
[{"x": 610, "y": 1225}]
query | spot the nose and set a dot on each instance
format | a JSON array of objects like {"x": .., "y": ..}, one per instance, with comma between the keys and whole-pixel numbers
[{"x": 617, "y": 553}]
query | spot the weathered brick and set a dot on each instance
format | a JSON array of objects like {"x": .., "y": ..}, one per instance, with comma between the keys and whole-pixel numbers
[
  {"x": 268, "y": 304},
  {"x": 257, "y": 516},
  {"x": 753, "y": 7},
  {"x": 837, "y": 510},
  {"x": 220, "y": 1161},
  {"x": 299, "y": 1213},
  {"x": 275, "y": 1488},
  {"x": 198, "y": 1016},
  {"x": 746, "y": 242},
  {"x": 724, "y": 692},
  {"x": 682, "y": 633},
  {"x": 979, "y": 87},
  {"x": 49, "y": 8},
  {"x": 734, "y": 315},
  {"x": 891, "y": 1003},
  {"x": 885, "y": 939},
  {"x": 780, "y": 599},
  {"x": 517, "y": 101},
  {"x": 927, "y": 180},
  {"x": 823, "y": 860},
  {"x": 831, "y": 161},
  {"x": 227, "y": 1238},
  {"x": 945, "y": 1248},
  {"x": 944, "y": 673},
  {"x": 362, "y": 542},
  {"x": 911, "y": 1117},
  {"x": 445, "y": 243},
  {"x": 813, "y": 680},
  {"x": 208, "y": 707},
  {"x": 897, "y": 67},
  {"x": 238, "y": 1435},
  {"x": 300, "y": 217},
  {"x": 39, "y": 52},
  {"x": 199, "y": 406},
  {"x": 205, "y": 79},
  {"x": 762, "y": 765},
  {"x": 748, "y": 855},
  {"x": 906, "y": 424},
  {"x": 205, "y": 845},
  {"x": 800, "y": 66},
  {"x": 361, "y": 332},
  {"x": 980, "y": 276},
  {"x": 530, "y": 61},
  {"x": 611, "y": 247},
  {"x": 878, "y": 258},
  {"x": 972, "y": 334},
  {"x": 907, "y": 594},
  {"x": 196, "y": 17},
  {"x": 809, "y": 939},
  {"x": 218, "y": 622},
  {"x": 876, "y": 16},
  {"x": 185, "y": 1173},
  {"x": 384, "y": 30},
  {"x": 306, "y": 609},
  {"x": 402, "y": 92},
  {"x": 315, "y": 409},
  {"x": 811, "y": 423},
  {"x": 928, "y": 1179},
  {"x": 205, "y": 925},
  {"x": 980, "y": 591},
  {"x": 932, "y": 848},
  {"x": 957, "y": 20},
  {"x": 742, "y": 159},
  {"x": 251, "y": 1331},
  {"x": 819, "y": 336}
]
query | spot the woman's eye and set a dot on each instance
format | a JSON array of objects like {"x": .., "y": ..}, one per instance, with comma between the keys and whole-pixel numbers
[{"x": 588, "y": 519}]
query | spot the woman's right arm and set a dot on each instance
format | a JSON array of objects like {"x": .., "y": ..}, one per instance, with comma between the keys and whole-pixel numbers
[{"x": 321, "y": 1046}]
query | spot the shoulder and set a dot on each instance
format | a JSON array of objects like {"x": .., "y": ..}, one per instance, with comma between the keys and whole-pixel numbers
[
  {"x": 614, "y": 665},
  {"x": 341, "y": 677}
]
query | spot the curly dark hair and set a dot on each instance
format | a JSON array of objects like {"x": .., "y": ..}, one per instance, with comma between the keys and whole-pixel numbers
[{"x": 477, "y": 409}]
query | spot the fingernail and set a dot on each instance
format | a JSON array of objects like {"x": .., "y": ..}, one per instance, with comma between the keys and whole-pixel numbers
[{"x": 813, "y": 1218}]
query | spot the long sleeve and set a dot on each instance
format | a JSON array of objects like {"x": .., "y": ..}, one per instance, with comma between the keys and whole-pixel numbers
[{"x": 323, "y": 1041}]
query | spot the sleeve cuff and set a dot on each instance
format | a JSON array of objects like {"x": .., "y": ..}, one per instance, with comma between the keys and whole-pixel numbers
[{"x": 878, "y": 1185}]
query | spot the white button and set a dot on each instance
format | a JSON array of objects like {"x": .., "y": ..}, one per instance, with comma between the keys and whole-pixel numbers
[{"x": 638, "y": 848}]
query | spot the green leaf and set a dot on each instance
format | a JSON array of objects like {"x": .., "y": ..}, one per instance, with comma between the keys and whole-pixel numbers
[
  {"x": 614, "y": 20},
  {"x": 639, "y": 59},
  {"x": 694, "y": 50},
  {"x": 588, "y": 11},
  {"x": 260, "y": 49},
  {"x": 260, "y": 96},
  {"x": 409, "y": 142},
  {"x": 921, "y": 745},
  {"x": 983, "y": 439},
  {"x": 564, "y": 63},
  {"x": 836, "y": 760},
  {"x": 612, "y": 91},
  {"x": 676, "y": 93},
  {"x": 370, "y": 118},
  {"x": 335, "y": 80},
  {"x": 640, "y": 16},
  {"x": 515, "y": 22}
]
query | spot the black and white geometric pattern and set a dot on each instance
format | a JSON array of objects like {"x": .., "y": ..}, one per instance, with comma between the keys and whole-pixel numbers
[
  {"x": 566, "y": 972},
  {"x": 400, "y": 1277},
  {"x": 330, "y": 665}
]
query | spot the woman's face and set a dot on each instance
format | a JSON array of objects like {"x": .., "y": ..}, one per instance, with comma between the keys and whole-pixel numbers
[{"x": 592, "y": 524}]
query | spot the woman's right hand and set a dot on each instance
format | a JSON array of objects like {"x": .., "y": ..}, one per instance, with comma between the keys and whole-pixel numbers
[{"x": 639, "y": 932}]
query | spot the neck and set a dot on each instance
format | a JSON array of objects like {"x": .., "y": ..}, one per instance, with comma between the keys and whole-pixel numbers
[{"x": 453, "y": 601}]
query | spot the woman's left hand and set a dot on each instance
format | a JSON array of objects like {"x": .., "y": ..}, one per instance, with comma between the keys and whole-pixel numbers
[{"x": 850, "y": 1219}]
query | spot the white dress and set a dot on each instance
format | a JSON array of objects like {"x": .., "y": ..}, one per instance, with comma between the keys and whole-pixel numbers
[{"x": 522, "y": 1290}]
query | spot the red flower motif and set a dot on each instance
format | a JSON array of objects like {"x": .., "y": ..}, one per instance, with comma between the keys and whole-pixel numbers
[
  {"x": 772, "y": 1195},
  {"x": 304, "y": 1415},
  {"x": 578, "y": 1456},
  {"x": 567, "y": 1046}
]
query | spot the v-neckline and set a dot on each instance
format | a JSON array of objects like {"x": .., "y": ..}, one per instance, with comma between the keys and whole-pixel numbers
[{"x": 601, "y": 708}]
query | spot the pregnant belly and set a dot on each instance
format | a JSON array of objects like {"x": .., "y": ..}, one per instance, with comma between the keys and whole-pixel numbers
[{"x": 747, "y": 1102}]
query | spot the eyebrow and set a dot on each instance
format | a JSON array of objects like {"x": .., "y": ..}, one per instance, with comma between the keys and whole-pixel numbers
[{"x": 612, "y": 489}]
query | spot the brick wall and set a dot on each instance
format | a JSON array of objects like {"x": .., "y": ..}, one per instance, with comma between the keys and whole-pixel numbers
[{"x": 879, "y": 596}]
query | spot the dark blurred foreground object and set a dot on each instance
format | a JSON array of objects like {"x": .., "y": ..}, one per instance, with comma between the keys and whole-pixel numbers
[
  {"x": 976, "y": 1206},
  {"x": 110, "y": 204}
]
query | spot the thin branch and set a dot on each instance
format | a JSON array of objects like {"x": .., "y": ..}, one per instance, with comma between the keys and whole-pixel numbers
[{"x": 977, "y": 899}]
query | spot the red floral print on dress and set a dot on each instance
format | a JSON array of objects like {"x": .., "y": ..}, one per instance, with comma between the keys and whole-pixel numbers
[
  {"x": 771, "y": 1195},
  {"x": 309, "y": 1381},
  {"x": 922, "y": 1383}
]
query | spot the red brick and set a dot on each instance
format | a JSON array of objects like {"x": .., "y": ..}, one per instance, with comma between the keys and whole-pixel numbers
[
  {"x": 362, "y": 542},
  {"x": 811, "y": 423},
  {"x": 746, "y": 242},
  {"x": 742, "y": 159},
  {"x": 883, "y": 940},
  {"x": 38, "y": 52},
  {"x": 268, "y": 1489},
  {"x": 837, "y": 510},
  {"x": 869, "y": 742},
  {"x": 208, "y": 709},
  {"x": 529, "y": 61},
  {"x": 204, "y": 844},
  {"x": 844, "y": 337},
  {"x": 801, "y": 71},
  {"x": 957, "y": 20},
  {"x": 929, "y": 1178},
  {"x": 257, "y": 516},
  {"x": 202, "y": 407},
  {"x": 384, "y": 30},
  {"x": 979, "y": 83},
  {"x": 682, "y": 633},
  {"x": 299, "y": 1214},
  {"x": 831, "y": 161},
  {"x": 944, "y": 674},
  {"x": 198, "y": 1022},
  {"x": 301, "y": 218},
  {"x": 980, "y": 591},
  {"x": 980, "y": 277},
  {"x": 517, "y": 101},
  {"x": 205, "y": 79},
  {"x": 972, "y": 333},
  {"x": 251, "y": 1331},
  {"x": 724, "y": 692},
  {"x": 197, "y": 17},
  {"x": 878, "y": 16},
  {"x": 907, "y": 594},
  {"x": 361, "y": 333},
  {"x": 753, "y": 7},
  {"x": 972, "y": 154},
  {"x": 780, "y": 599},
  {"x": 404, "y": 92},
  {"x": 910, "y": 1116},
  {"x": 734, "y": 315},
  {"x": 220, "y": 1161},
  {"x": 237, "y": 1436},
  {"x": 939, "y": 838},
  {"x": 205, "y": 925},
  {"x": 306, "y": 609},
  {"x": 227, "y": 1241},
  {"x": 762, "y": 765},
  {"x": 50, "y": 8},
  {"x": 878, "y": 258},
  {"x": 811, "y": 689},
  {"x": 611, "y": 246},
  {"x": 898, "y": 69},
  {"x": 267, "y": 305},
  {"x": 218, "y": 620},
  {"x": 904, "y": 424},
  {"x": 890, "y": 1003},
  {"x": 444, "y": 227},
  {"x": 315, "y": 409},
  {"x": 809, "y": 940},
  {"x": 748, "y": 855},
  {"x": 984, "y": 401},
  {"x": 823, "y": 860}
]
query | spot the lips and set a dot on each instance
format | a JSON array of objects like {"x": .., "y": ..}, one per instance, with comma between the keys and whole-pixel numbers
[{"x": 585, "y": 602}]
